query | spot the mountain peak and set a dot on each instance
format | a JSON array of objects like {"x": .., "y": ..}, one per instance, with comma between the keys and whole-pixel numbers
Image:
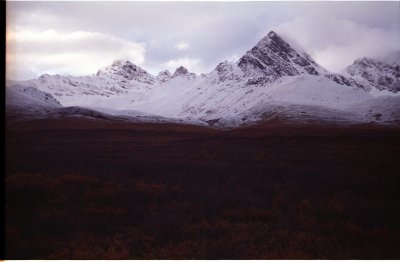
[
  {"x": 381, "y": 75},
  {"x": 164, "y": 73},
  {"x": 275, "y": 37},
  {"x": 363, "y": 60},
  {"x": 127, "y": 70},
  {"x": 181, "y": 71},
  {"x": 126, "y": 65},
  {"x": 121, "y": 62},
  {"x": 272, "y": 57},
  {"x": 271, "y": 34},
  {"x": 163, "y": 76},
  {"x": 274, "y": 42}
]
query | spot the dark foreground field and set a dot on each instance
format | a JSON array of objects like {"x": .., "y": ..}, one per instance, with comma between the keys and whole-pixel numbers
[{"x": 85, "y": 189}]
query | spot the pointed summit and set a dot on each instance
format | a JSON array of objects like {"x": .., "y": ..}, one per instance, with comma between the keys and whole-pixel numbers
[
  {"x": 127, "y": 70},
  {"x": 274, "y": 42},
  {"x": 275, "y": 37},
  {"x": 164, "y": 73},
  {"x": 378, "y": 74},
  {"x": 271, "y": 34},
  {"x": 163, "y": 76},
  {"x": 226, "y": 71},
  {"x": 273, "y": 57},
  {"x": 180, "y": 71}
]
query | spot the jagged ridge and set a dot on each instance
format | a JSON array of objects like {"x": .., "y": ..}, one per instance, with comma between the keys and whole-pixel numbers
[
  {"x": 375, "y": 73},
  {"x": 272, "y": 58},
  {"x": 272, "y": 71}
]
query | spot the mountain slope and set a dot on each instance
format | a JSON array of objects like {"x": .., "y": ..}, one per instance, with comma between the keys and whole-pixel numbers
[
  {"x": 26, "y": 102},
  {"x": 24, "y": 96},
  {"x": 380, "y": 75},
  {"x": 272, "y": 58},
  {"x": 128, "y": 71},
  {"x": 273, "y": 76},
  {"x": 116, "y": 80}
]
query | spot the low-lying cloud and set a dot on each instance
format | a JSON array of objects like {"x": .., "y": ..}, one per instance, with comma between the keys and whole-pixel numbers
[
  {"x": 335, "y": 43},
  {"x": 192, "y": 64},
  {"x": 78, "y": 38},
  {"x": 76, "y": 53}
]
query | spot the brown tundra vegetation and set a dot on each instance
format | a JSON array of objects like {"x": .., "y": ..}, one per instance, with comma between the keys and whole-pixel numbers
[{"x": 96, "y": 189}]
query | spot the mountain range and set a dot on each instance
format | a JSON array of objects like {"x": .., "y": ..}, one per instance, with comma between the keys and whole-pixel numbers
[{"x": 273, "y": 80}]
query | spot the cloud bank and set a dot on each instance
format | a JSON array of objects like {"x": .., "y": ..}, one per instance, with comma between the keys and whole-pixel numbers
[
  {"x": 335, "y": 43},
  {"x": 192, "y": 64},
  {"x": 78, "y": 38},
  {"x": 75, "y": 53}
]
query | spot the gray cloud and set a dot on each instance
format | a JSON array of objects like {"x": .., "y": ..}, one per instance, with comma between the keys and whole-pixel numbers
[
  {"x": 31, "y": 53},
  {"x": 335, "y": 42},
  {"x": 333, "y": 32}
]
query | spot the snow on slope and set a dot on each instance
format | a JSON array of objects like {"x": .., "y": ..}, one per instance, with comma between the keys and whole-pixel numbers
[
  {"x": 128, "y": 71},
  {"x": 291, "y": 113},
  {"x": 302, "y": 90},
  {"x": 380, "y": 75},
  {"x": 210, "y": 98},
  {"x": 163, "y": 76},
  {"x": 272, "y": 78},
  {"x": 29, "y": 103},
  {"x": 18, "y": 95},
  {"x": 383, "y": 109},
  {"x": 272, "y": 58},
  {"x": 271, "y": 71},
  {"x": 119, "y": 79}
]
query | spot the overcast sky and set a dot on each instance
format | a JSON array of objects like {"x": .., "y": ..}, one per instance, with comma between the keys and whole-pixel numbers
[{"x": 78, "y": 38}]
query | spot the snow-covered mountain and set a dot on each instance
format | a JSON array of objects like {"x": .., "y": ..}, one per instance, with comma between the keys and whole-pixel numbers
[
  {"x": 272, "y": 58},
  {"x": 19, "y": 95},
  {"x": 127, "y": 71},
  {"x": 121, "y": 78},
  {"x": 378, "y": 74},
  {"x": 27, "y": 102},
  {"x": 163, "y": 76},
  {"x": 271, "y": 79},
  {"x": 182, "y": 71}
]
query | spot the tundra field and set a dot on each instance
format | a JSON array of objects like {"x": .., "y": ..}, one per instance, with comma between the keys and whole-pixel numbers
[{"x": 81, "y": 188}]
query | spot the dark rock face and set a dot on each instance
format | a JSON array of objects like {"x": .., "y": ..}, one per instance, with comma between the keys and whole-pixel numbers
[
  {"x": 259, "y": 81},
  {"x": 164, "y": 76},
  {"x": 225, "y": 71},
  {"x": 378, "y": 74},
  {"x": 341, "y": 80},
  {"x": 164, "y": 73},
  {"x": 180, "y": 71},
  {"x": 273, "y": 57},
  {"x": 222, "y": 67}
]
